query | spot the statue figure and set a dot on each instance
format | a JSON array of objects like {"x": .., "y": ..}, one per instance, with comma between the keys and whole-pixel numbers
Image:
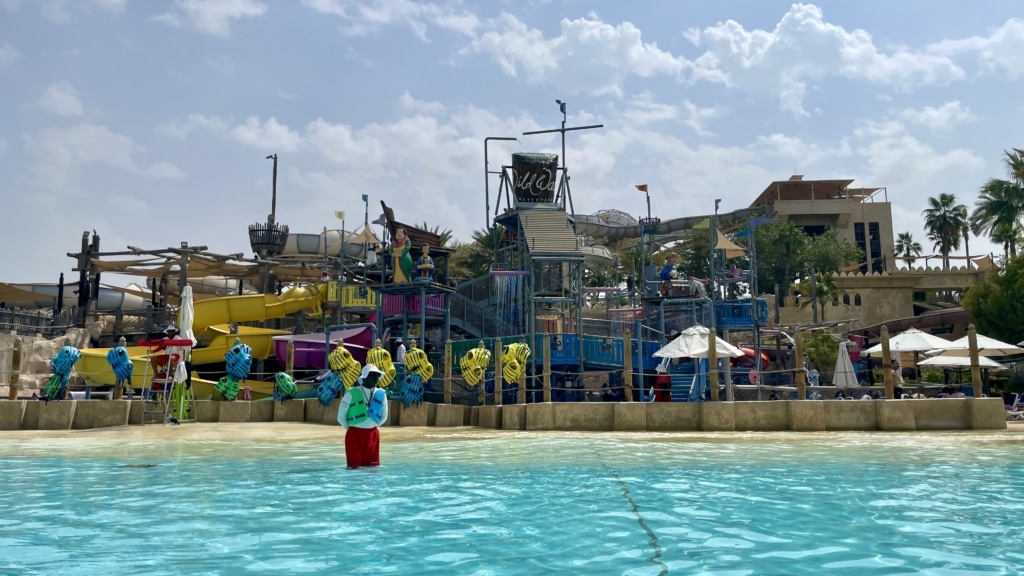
[
  {"x": 425, "y": 266},
  {"x": 401, "y": 260}
]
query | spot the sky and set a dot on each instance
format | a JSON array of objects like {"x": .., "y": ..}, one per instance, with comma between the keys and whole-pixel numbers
[{"x": 150, "y": 121}]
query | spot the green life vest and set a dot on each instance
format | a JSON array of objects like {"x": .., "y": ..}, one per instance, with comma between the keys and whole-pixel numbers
[
  {"x": 361, "y": 408},
  {"x": 357, "y": 410}
]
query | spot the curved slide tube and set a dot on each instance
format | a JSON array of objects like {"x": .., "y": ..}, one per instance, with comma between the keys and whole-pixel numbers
[
  {"x": 602, "y": 231},
  {"x": 312, "y": 245},
  {"x": 211, "y": 324}
]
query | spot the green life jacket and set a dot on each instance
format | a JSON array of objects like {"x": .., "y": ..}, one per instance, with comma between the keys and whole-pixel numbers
[
  {"x": 357, "y": 410},
  {"x": 362, "y": 409}
]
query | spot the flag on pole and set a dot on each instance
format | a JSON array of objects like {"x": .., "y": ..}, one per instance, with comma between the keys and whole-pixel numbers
[
  {"x": 339, "y": 214},
  {"x": 642, "y": 188},
  {"x": 366, "y": 198}
]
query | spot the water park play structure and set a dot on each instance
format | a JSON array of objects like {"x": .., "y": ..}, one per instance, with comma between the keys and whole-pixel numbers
[{"x": 532, "y": 309}]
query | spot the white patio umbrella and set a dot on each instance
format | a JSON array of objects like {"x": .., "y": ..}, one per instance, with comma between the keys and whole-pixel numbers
[
  {"x": 186, "y": 315},
  {"x": 947, "y": 361},
  {"x": 844, "y": 375},
  {"x": 912, "y": 340},
  {"x": 986, "y": 347},
  {"x": 693, "y": 343}
]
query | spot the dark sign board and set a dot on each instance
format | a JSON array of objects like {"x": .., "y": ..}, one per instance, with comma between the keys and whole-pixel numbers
[{"x": 534, "y": 176}]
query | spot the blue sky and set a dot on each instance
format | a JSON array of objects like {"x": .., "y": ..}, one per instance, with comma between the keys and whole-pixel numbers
[{"x": 149, "y": 121}]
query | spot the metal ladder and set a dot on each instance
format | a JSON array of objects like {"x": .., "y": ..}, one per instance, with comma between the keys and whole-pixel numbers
[{"x": 174, "y": 402}]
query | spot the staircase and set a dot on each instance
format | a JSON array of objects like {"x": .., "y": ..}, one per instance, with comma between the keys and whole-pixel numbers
[{"x": 477, "y": 320}]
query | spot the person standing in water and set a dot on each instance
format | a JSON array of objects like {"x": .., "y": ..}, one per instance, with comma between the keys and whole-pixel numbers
[{"x": 363, "y": 409}]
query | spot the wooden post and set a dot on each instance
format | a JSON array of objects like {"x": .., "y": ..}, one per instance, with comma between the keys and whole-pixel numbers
[
  {"x": 627, "y": 365},
  {"x": 798, "y": 366},
  {"x": 546, "y": 367},
  {"x": 448, "y": 372},
  {"x": 890, "y": 393},
  {"x": 730, "y": 388},
  {"x": 499, "y": 379},
  {"x": 15, "y": 376},
  {"x": 289, "y": 363},
  {"x": 522, "y": 388},
  {"x": 713, "y": 364},
  {"x": 972, "y": 343}
]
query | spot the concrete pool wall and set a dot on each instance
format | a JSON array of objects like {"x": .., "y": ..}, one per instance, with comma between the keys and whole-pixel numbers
[{"x": 780, "y": 415}]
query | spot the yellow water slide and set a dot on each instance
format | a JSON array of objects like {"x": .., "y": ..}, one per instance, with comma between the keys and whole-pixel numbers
[{"x": 212, "y": 327}]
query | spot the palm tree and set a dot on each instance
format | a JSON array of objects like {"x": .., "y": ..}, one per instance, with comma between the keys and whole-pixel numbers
[
  {"x": 907, "y": 247},
  {"x": 999, "y": 209},
  {"x": 443, "y": 233},
  {"x": 944, "y": 220},
  {"x": 965, "y": 231},
  {"x": 824, "y": 291}
]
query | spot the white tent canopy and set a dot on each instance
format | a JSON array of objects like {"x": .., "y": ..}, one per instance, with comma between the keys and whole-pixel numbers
[
  {"x": 986, "y": 347},
  {"x": 946, "y": 361},
  {"x": 693, "y": 343},
  {"x": 912, "y": 340}
]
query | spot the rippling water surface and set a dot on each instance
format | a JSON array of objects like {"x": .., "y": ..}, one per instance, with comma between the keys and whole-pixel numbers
[{"x": 942, "y": 504}]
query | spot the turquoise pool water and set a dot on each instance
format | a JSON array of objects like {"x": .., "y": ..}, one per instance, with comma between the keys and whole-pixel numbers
[{"x": 490, "y": 504}]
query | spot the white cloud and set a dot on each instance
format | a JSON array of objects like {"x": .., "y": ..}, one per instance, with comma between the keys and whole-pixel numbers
[
  {"x": 804, "y": 48},
  {"x": 587, "y": 56},
  {"x": 164, "y": 170},
  {"x": 11, "y": 5},
  {"x": 407, "y": 102},
  {"x": 644, "y": 110},
  {"x": 193, "y": 122},
  {"x": 221, "y": 64},
  {"x": 8, "y": 54},
  {"x": 366, "y": 17},
  {"x": 284, "y": 95},
  {"x": 939, "y": 118},
  {"x": 57, "y": 156},
  {"x": 212, "y": 17},
  {"x": 60, "y": 11},
  {"x": 271, "y": 135},
  {"x": 61, "y": 99},
  {"x": 1000, "y": 51}
]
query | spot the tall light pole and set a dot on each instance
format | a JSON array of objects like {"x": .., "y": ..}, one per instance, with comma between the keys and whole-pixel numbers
[{"x": 273, "y": 193}]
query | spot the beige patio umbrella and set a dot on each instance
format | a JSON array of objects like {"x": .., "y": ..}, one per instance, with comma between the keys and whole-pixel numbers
[
  {"x": 986, "y": 347},
  {"x": 912, "y": 340}
]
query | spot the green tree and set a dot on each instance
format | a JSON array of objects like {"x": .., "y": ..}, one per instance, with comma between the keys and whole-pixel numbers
[
  {"x": 474, "y": 258},
  {"x": 444, "y": 233},
  {"x": 827, "y": 253},
  {"x": 824, "y": 291},
  {"x": 781, "y": 252},
  {"x": 822, "y": 350},
  {"x": 907, "y": 247},
  {"x": 999, "y": 209},
  {"x": 997, "y": 304},
  {"x": 944, "y": 220}
]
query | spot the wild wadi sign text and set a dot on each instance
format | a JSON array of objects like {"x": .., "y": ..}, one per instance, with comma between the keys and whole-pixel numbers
[{"x": 534, "y": 176}]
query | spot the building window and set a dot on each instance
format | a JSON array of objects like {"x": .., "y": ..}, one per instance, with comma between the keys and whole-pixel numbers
[
  {"x": 856, "y": 300},
  {"x": 846, "y": 299},
  {"x": 877, "y": 262},
  {"x": 859, "y": 238}
]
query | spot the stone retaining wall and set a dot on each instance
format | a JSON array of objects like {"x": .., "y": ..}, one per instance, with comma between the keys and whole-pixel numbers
[{"x": 800, "y": 416}]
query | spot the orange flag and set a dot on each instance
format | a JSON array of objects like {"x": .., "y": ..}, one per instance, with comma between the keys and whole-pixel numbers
[{"x": 642, "y": 188}]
